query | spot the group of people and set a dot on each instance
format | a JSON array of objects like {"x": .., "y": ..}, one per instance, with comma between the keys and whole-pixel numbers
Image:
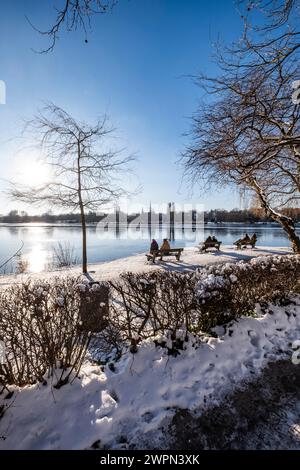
[
  {"x": 211, "y": 239},
  {"x": 246, "y": 240},
  {"x": 165, "y": 246}
]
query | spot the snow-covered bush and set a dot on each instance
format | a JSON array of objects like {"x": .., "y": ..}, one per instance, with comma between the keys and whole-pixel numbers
[
  {"x": 230, "y": 290},
  {"x": 151, "y": 304},
  {"x": 161, "y": 302},
  {"x": 43, "y": 326},
  {"x": 94, "y": 298},
  {"x": 47, "y": 326}
]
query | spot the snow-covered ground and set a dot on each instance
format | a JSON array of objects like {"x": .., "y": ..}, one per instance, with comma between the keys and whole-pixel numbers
[
  {"x": 132, "y": 405},
  {"x": 190, "y": 260}
]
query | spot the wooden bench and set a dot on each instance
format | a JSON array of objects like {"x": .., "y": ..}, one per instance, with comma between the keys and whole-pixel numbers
[
  {"x": 211, "y": 244},
  {"x": 244, "y": 243},
  {"x": 161, "y": 253}
]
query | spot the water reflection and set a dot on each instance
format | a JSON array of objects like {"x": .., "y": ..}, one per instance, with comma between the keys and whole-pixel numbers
[{"x": 37, "y": 259}]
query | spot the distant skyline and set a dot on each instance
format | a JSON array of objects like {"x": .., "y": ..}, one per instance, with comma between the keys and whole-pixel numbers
[{"x": 136, "y": 67}]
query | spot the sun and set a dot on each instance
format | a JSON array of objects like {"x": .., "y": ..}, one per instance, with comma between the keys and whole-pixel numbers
[{"x": 32, "y": 172}]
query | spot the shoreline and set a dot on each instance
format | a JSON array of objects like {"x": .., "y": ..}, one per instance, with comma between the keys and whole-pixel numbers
[{"x": 191, "y": 260}]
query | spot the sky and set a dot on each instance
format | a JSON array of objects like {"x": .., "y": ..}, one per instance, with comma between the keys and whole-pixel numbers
[{"x": 136, "y": 67}]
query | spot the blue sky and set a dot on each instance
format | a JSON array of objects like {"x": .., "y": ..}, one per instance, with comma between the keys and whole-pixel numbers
[{"x": 136, "y": 67}]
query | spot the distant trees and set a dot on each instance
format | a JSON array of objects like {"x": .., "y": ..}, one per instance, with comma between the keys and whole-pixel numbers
[
  {"x": 251, "y": 215},
  {"x": 248, "y": 134},
  {"x": 85, "y": 172},
  {"x": 48, "y": 217},
  {"x": 14, "y": 215}
]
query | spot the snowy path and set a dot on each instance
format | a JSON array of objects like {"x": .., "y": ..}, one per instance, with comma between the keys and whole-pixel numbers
[
  {"x": 191, "y": 259},
  {"x": 263, "y": 414}
]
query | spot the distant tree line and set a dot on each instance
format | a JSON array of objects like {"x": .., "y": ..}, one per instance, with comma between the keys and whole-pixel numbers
[
  {"x": 251, "y": 215},
  {"x": 15, "y": 216}
]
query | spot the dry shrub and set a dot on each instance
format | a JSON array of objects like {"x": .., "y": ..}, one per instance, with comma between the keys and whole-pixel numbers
[
  {"x": 228, "y": 291},
  {"x": 164, "y": 302},
  {"x": 64, "y": 255},
  {"x": 22, "y": 264},
  {"x": 152, "y": 303},
  {"x": 42, "y": 325},
  {"x": 47, "y": 326},
  {"x": 94, "y": 306}
]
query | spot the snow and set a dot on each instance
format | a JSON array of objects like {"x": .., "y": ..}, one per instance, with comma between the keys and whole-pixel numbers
[
  {"x": 207, "y": 284},
  {"x": 82, "y": 287},
  {"x": 133, "y": 404},
  {"x": 191, "y": 259}
]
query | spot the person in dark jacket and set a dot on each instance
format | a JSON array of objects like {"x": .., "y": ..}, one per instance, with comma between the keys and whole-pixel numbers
[
  {"x": 165, "y": 245},
  {"x": 153, "y": 246}
]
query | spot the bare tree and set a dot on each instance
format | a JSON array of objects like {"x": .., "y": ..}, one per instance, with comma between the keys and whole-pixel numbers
[
  {"x": 271, "y": 35},
  {"x": 83, "y": 177},
  {"x": 248, "y": 132},
  {"x": 276, "y": 12},
  {"x": 74, "y": 14},
  {"x": 249, "y": 135}
]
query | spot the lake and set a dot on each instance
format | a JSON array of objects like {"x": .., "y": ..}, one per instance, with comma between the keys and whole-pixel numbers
[{"x": 40, "y": 239}]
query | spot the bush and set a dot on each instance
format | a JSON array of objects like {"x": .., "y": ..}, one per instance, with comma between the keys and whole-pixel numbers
[
  {"x": 228, "y": 291},
  {"x": 152, "y": 303},
  {"x": 43, "y": 327},
  {"x": 47, "y": 327},
  {"x": 161, "y": 302}
]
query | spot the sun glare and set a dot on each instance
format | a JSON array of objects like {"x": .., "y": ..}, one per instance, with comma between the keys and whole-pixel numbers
[
  {"x": 37, "y": 259},
  {"x": 32, "y": 172}
]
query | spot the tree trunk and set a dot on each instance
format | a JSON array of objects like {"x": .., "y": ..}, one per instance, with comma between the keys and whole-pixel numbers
[
  {"x": 82, "y": 213},
  {"x": 286, "y": 222},
  {"x": 84, "y": 251},
  {"x": 289, "y": 227}
]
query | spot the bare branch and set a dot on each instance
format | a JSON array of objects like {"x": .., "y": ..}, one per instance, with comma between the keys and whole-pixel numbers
[
  {"x": 74, "y": 14},
  {"x": 13, "y": 256}
]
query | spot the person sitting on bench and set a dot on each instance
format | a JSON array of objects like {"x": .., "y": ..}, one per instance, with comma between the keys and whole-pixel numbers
[
  {"x": 153, "y": 246},
  {"x": 210, "y": 242},
  {"x": 165, "y": 245},
  {"x": 243, "y": 242},
  {"x": 253, "y": 239}
]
